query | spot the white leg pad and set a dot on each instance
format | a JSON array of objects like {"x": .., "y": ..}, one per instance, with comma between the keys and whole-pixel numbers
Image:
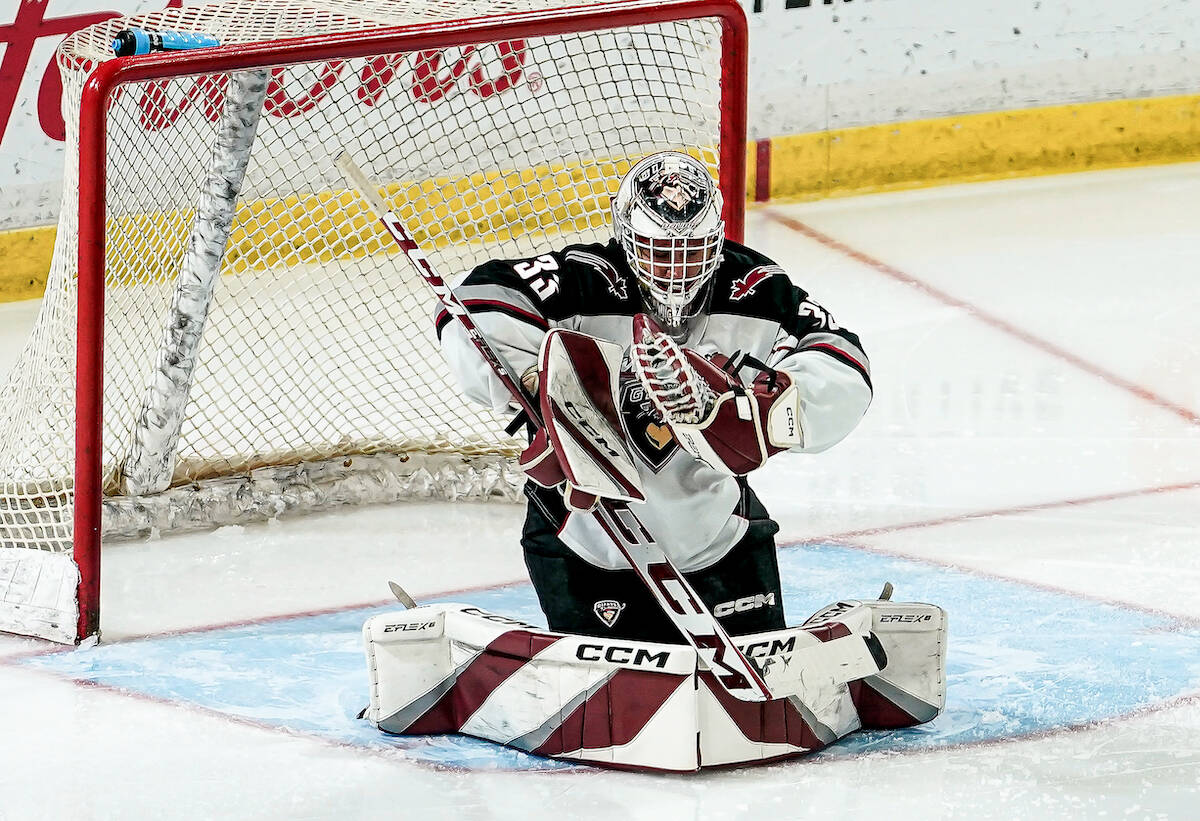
[
  {"x": 454, "y": 668},
  {"x": 914, "y": 637}
]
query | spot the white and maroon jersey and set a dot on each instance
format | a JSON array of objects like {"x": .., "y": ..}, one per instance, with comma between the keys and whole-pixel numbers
[{"x": 691, "y": 509}]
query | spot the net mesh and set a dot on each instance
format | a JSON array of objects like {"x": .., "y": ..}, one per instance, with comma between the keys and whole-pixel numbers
[{"x": 319, "y": 347}]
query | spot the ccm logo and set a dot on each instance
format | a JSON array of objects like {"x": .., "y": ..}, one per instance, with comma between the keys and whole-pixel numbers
[
  {"x": 830, "y": 612},
  {"x": 774, "y": 647},
  {"x": 616, "y": 654},
  {"x": 395, "y": 628},
  {"x": 742, "y": 605},
  {"x": 597, "y": 438},
  {"x": 904, "y": 618}
]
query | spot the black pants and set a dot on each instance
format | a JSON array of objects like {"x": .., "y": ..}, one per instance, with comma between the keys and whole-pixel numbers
[{"x": 742, "y": 589}]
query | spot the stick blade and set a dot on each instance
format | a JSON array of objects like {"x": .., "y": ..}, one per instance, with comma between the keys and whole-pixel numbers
[
  {"x": 402, "y": 596},
  {"x": 359, "y": 182}
]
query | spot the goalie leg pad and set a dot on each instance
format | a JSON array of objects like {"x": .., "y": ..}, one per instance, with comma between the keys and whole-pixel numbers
[
  {"x": 457, "y": 668},
  {"x": 622, "y": 703},
  {"x": 912, "y": 688}
]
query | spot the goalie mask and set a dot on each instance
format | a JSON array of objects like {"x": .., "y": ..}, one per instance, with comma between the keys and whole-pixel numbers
[{"x": 667, "y": 217}]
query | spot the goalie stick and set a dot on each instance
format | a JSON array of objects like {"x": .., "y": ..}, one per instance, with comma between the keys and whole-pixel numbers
[
  {"x": 402, "y": 596},
  {"x": 673, "y": 592}
]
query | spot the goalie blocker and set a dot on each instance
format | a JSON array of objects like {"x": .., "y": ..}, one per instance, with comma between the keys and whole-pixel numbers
[{"x": 454, "y": 668}]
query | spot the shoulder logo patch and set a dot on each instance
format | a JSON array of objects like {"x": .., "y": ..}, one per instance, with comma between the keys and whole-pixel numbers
[
  {"x": 616, "y": 283},
  {"x": 745, "y": 286},
  {"x": 608, "y": 611}
]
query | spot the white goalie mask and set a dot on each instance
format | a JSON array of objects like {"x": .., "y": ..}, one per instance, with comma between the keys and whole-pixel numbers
[{"x": 667, "y": 217}]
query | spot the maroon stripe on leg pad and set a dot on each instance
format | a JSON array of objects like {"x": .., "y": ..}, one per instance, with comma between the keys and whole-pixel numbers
[
  {"x": 615, "y": 713},
  {"x": 507, "y": 654}
]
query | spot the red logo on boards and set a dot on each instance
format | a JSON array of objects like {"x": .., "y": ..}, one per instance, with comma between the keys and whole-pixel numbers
[
  {"x": 435, "y": 75},
  {"x": 18, "y": 39}
]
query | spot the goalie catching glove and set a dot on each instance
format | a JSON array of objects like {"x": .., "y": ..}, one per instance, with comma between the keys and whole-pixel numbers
[{"x": 730, "y": 426}]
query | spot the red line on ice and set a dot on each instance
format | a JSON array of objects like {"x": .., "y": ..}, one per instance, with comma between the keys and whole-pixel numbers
[
  {"x": 991, "y": 320},
  {"x": 1011, "y": 511},
  {"x": 848, "y": 539}
]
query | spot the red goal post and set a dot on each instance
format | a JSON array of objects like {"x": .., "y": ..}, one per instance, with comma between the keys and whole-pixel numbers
[{"x": 109, "y": 77}]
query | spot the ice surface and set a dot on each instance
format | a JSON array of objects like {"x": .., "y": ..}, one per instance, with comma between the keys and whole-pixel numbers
[
  {"x": 1025, "y": 660},
  {"x": 1044, "y": 486}
]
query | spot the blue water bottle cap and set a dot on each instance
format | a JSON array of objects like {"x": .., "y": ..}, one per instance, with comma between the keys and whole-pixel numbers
[{"x": 131, "y": 41}]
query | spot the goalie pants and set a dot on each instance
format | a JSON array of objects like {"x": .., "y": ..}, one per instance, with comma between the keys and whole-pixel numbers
[{"x": 742, "y": 588}]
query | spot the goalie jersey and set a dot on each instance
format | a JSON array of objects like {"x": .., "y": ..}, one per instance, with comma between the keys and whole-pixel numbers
[{"x": 693, "y": 511}]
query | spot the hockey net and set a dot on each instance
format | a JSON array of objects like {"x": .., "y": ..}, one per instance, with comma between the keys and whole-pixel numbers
[{"x": 264, "y": 349}]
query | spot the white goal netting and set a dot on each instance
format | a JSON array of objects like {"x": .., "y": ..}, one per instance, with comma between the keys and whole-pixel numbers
[{"x": 316, "y": 379}]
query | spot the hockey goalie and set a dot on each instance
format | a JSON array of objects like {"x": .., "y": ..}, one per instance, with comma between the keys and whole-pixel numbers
[{"x": 663, "y": 368}]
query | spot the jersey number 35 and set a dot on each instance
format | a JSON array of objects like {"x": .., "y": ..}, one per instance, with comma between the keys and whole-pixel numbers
[{"x": 539, "y": 272}]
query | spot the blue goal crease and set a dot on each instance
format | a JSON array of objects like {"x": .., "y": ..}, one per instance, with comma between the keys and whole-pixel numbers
[{"x": 1021, "y": 660}]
